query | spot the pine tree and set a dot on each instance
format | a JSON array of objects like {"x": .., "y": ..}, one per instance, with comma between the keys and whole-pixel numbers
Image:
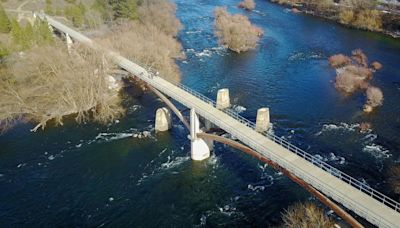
[
  {"x": 124, "y": 9},
  {"x": 5, "y": 25}
]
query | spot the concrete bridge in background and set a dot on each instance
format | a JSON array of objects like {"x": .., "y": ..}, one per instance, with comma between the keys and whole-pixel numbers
[{"x": 353, "y": 194}]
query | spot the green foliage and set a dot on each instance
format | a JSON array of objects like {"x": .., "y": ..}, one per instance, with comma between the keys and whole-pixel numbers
[
  {"x": 126, "y": 9},
  {"x": 3, "y": 51},
  {"x": 25, "y": 37},
  {"x": 5, "y": 25},
  {"x": 48, "y": 9},
  {"x": 71, "y": 1},
  {"x": 75, "y": 14}
]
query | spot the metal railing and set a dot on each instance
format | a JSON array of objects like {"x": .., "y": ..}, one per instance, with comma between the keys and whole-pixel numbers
[
  {"x": 279, "y": 140},
  {"x": 309, "y": 157}
]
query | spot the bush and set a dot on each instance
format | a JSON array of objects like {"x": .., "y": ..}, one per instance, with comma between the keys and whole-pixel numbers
[
  {"x": 376, "y": 65},
  {"x": 360, "y": 58},
  {"x": 346, "y": 16},
  {"x": 28, "y": 36},
  {"x": 147, "y": 45},
  {"x": 5, "y": 25},
  {"x": 339, "y": 60},
  {"x": 369, "y": 20},
  {"x": 348, "y": 82},
  {"x": 47, "y": 83},
  {"x": 374, "y": 97},
  {"x": 247, "y": 4},
  {"x": 305, "y": 216},
  {"x": 160, "y": 13},
  {"x": 235, "y": 31},
  {"x": 394, "y": 178},
  {"x": 75, "y": 14}
]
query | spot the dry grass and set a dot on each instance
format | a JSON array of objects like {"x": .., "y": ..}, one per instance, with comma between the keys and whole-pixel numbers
[
  {"x": 247, "y": 5},
  {"x": 306, "y": 215},
  {"x": 146, "y": 45},
  {"x": 339, "y": 60},
  {"x": 160, "y": 13},
  {"x": 235, "y": 31},
  {"x": 47, "y": 84}
]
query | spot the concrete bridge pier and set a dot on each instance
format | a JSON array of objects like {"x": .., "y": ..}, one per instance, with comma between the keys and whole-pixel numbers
[
  {"x": 223, "y": 100},
  {"x": 263, "y": 120},
  {"x": 69, "y": 42},
  {"x": 163, "y": 119},
  {"x": 200, "y": 148}
]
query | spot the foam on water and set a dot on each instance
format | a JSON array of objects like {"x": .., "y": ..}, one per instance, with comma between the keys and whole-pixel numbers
[
  {"x": 238, "y": 108},
  {"x": 377, "y": 151},
  {"x": 338, "y": 127}
]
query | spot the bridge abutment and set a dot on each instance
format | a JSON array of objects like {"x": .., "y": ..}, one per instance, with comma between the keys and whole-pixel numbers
[
  {"x": 263, "y": 120},
  {"x": 163, "y": 119},
  {"x": 200, "y": 148},
  {"x": 223, "y": 100}
]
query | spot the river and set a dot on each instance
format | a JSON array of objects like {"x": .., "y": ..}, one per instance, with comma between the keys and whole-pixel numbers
[{"x": 95, "y": 175}]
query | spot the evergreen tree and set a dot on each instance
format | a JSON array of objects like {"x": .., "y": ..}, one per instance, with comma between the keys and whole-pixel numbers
[
  {"x": 5, "y": 25},
  {"x": 16, "y": 32},
  {"x": 124, "y": 9}
]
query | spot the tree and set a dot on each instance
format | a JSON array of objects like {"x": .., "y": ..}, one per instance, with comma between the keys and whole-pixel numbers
[
  {"x": 306, "y": 215},
  {"x": 124, "y": 9},
  {"x": 5, "y": 25}
]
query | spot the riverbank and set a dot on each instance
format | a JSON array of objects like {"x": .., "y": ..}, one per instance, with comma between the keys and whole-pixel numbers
[{"x": 358, "y": 17}]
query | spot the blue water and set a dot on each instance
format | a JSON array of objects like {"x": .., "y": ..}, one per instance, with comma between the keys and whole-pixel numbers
[{"x": 94, "y": 175}]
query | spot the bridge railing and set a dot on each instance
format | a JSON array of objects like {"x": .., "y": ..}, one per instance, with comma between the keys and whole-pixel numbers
[{"x": 307, "y": 156}]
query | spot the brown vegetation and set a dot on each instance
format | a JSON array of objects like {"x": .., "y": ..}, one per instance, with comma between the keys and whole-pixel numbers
[
  {"x": 235, "y": 31},
  {"x": 305, "y": 216},
  {"x": 354, "y": 74},
  {"x": 376, "y": 65},
  {"x": 148, "y": 46},
  {"x": 47, "y": 83},
  {"x": 374, "y": 98},
  {"x": 160, "y": 13},
  {"x": 394, "y": 178},
  {"x": 365, "y": 127},
  {"x": 247, "y": 4},
  {"x": 339, "y": 60}
]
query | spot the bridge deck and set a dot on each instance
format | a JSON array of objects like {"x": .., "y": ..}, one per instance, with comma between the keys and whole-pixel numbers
[{"x": 352, "y": 198}]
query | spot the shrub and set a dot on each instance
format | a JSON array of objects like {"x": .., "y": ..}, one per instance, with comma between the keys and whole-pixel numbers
[
  {"x": 247, "y": 4},
  {"x": 5, "y": 25},
  {"x": 394, "y": 178},
  {"x": 305, "y": 216},
  {"x": 369, "y": 20},
  {"x": 25, "y": 37},
  {"x": 235, "y": 31},
  {"x": 339, "y": 60},
  {"x": 47, "y": 83},
  {"x": 147, "y": 45},
  {"x": 160, "y": 13},
  {"x": 359, "y": 56},
  {"x": 75, "y": 14},
  {"x": 374, "y": 97},
  {"x": 348, "y": 82},
  {"x": 346, "y": 16},
  {"x": 376, "y": 65}
]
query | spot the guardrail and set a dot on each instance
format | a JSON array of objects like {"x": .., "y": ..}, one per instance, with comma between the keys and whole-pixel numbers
[{"x": 311, "y": 158}]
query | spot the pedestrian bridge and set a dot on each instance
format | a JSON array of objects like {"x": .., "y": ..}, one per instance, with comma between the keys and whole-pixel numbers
[{"x": 353, "y": 194}]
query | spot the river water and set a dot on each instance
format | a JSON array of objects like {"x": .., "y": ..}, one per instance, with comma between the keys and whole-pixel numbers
[{"x": 94, "y": 175}]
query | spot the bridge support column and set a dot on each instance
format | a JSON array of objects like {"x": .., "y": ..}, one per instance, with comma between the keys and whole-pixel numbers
[
  {"x": 200, "y": 149},
  {"x": 223, "y": 100},
  {"x": 263, "y": 120},
  {"x": 69, "y": 42},
  {"x": 163, "y": 120}
]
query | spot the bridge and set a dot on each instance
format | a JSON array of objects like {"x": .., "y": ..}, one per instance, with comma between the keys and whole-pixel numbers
[{"x": 353, "y": 194}]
